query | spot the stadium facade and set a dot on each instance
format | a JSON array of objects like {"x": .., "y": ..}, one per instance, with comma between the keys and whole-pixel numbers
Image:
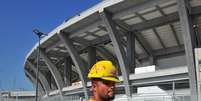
[{"x": 134, "y": 34}]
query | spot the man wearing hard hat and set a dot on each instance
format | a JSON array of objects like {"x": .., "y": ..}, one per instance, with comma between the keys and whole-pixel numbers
[{"x": 103, "y": 76}]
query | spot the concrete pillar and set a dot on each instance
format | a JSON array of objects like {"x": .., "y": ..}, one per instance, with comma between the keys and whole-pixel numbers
[
  {"x": 131, "y": 52},
  {"x": 91, "y": 56},
  {"x": 67, "y": 71},
  {"x": 189, "y": 44}
]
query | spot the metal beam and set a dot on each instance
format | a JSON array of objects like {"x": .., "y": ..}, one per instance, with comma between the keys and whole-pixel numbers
[
  {"x": 189, "y": 44},
  {"x": 49, "y": 79},
  {"x": 125, "y": 46},
  {"x": 42, "y": 78},
  {"x": 33, "y": 79},
  {"x": 67, "y": 71},
  {"x": 170, "y": 52},
  {"x": 131, "y": 52},
  {"x": 60, "y": 61},
  {"x": 162, "y": 53},
  {"x": 79, "y": 64},
  {"x": 91, "y": 56},
  {"x": 54, "y": 71},
  {"x": 160, "y": 10},
  {"x": 121, "y": 55},
  {"x": 140, "y": 16},
  {"x": 155, "y": 22},
  {"x": 195, "y": 10}
]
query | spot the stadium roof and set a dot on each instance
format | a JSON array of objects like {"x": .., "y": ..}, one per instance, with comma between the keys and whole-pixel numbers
[{"x": 154, "y": 23}]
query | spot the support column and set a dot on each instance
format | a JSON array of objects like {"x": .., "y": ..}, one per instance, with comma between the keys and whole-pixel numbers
[
  {"x": 55, "y": 73},
  {"x": 79, "y": 64},
  {"x": 173, "y": 91},
  {"x": 189, "y": 44},
  {"x": 120, "y": 53},
  {"x": 33, "y": 79},
  {"x": 41, "y": 77},
  {"x": 131, "y": 52},
  {"x": 48, "y": 75},
  {"x": 152, "y": 60},
  {"x": 91, "y": 56},
  {"x": 131, "y": 55},
  {"x": 67, "y": 71}
]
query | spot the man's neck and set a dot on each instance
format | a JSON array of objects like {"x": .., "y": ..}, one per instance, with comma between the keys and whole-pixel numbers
[{"x": 97, "y": 98}]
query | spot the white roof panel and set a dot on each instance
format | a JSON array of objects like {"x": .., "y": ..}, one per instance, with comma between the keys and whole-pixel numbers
[
  {"x": 168, "y": 3},
  {"x": 110, "y": 48},
  {"x": 195, "y": 3},
  {"x": 101, "y": 33},
  {"x": 170, "y": 10},
  {"x": 84, "y": 56},
  {"x": 199, "y": 23},
  {"x": 147, "y": 10},
  {"x": 89, "y": 37},
  {"x": 138, "y": 48},
  {"x": 127, "y": 16},
  {"x": 63, "y": 51},
  {"x": 82, "y": 35},
  {"x": 152, "y": 15},
  {"x": 166, "y": 35},
  {"x": 61, "y": 45},
  {"x": 152, "y": 39},
  {"x": 177, "y": 28},
  {"x": 94, "y": 29},
  {"x": 134, "y": 20}
]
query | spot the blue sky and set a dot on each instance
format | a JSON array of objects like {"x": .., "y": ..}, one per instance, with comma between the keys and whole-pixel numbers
[{"x": 17, "y": 20}]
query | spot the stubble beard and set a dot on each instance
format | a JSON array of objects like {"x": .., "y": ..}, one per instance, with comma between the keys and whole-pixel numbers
[{"x": 108, "y": 98}]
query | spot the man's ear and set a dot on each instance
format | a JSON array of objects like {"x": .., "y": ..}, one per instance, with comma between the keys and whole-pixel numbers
[{"x": 94, "y": 87}]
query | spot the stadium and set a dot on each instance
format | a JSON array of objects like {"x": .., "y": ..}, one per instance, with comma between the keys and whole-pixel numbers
[{"x": 154, "y": 43}]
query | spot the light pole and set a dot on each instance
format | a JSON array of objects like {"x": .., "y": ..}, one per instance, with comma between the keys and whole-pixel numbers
[{"x": 39, "y": 34}]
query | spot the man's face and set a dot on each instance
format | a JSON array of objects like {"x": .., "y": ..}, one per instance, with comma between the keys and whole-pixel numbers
[{"x": 104, "y": 89}]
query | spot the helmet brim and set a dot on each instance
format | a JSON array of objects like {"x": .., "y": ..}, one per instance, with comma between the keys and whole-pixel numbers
[{"x": 111, "y": 79}]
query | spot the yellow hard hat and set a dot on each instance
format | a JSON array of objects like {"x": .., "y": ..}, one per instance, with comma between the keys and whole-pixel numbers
[{"x": 104, "y": 70}]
